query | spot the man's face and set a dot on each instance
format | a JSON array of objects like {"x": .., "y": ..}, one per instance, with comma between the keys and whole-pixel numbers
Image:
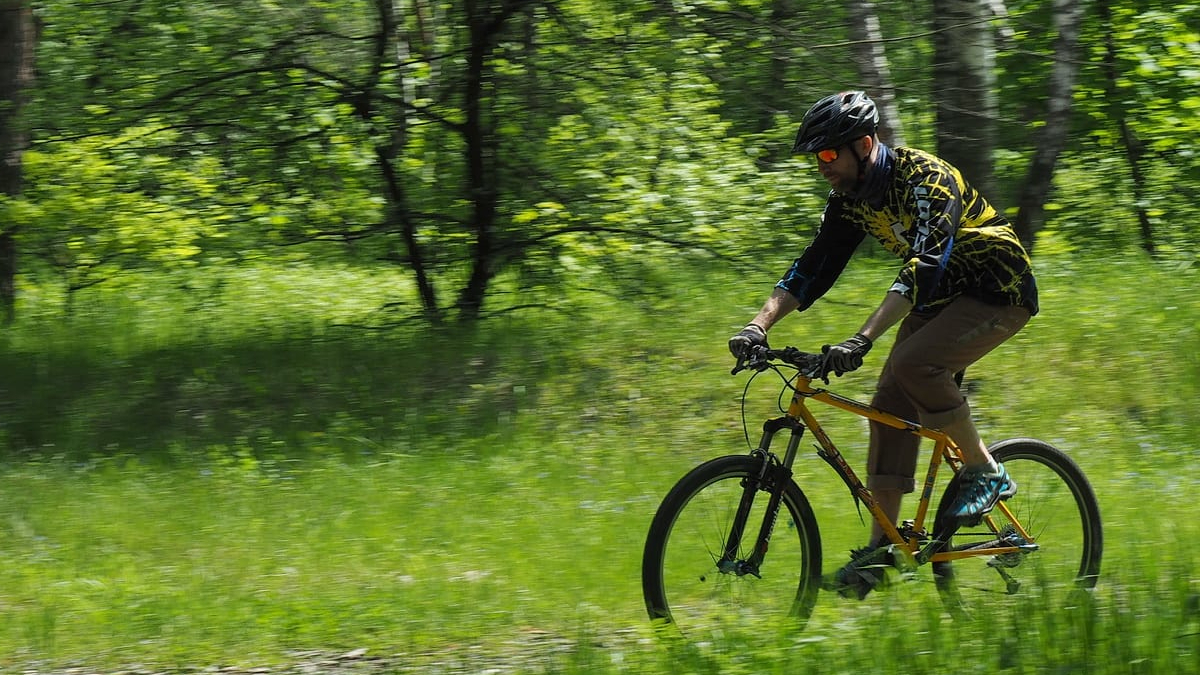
[{"x": 839, "y": 166}]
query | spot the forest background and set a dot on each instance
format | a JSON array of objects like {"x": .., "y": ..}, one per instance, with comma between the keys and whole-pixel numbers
[
  {"x": 523, "y": 143},
  {"x": 330, "y": 241}
]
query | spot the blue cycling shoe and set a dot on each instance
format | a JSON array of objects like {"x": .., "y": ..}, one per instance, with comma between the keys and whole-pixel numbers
[{"x": 979, "y": 492}]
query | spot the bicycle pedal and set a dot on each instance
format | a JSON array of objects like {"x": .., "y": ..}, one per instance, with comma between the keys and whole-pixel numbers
[
  {"x": 857, "y": 589},
  {"x": 903, "y": 560}
]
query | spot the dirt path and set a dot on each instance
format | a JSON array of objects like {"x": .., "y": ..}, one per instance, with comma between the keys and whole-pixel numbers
[{"x": 533, "y": 650}]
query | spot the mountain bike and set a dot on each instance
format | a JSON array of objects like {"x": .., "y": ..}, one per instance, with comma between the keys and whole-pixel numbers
[{"x": 736, "y": 543}]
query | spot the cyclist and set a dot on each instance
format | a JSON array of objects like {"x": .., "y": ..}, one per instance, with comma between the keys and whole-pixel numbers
[{"x": 965, "y": 286}]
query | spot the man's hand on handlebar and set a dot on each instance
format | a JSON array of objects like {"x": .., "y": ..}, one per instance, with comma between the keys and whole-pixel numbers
[
  {"x": 753, "y": 335},
  {"x": 750, "y": 348},
  {"x": 844, "y": 356}
]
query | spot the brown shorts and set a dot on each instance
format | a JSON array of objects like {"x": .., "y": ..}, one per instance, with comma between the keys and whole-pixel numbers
[{"x": 917, "y": 382}]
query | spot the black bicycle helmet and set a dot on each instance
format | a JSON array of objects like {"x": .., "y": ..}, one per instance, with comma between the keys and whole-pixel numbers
[{"x": 836, "y": 120}]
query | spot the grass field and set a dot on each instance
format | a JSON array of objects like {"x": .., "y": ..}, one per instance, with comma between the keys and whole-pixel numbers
[{"x": 244, "y": 474}]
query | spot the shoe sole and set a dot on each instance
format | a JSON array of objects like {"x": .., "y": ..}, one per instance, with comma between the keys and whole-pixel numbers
[
  {"x": 851, "y": 591},
  {"x": 1008, "y": 491}
]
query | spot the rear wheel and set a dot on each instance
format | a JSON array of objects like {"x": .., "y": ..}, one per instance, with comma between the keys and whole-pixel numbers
[
  {"x": 689, "y": 580},
  {"x": 1055, "y": 522}
]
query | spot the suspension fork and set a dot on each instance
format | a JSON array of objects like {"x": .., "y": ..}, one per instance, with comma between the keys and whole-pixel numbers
[{"x": 772, "y": 475}]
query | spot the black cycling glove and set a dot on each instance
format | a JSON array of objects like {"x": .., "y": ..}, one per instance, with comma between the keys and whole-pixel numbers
[
  {"x": 845, "y": 356},
  {"x": 751, "y": 336}
]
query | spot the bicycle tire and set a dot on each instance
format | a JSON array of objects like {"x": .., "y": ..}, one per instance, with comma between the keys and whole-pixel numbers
[
  {"x": 681, "y": 582},
  {"x": 1057, "y": 507}
]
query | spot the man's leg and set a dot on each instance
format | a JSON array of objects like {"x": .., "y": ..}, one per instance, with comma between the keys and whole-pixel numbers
[
  {"x": 891, "y": 458},
  {"x": 892, "y": 453},
  {"x": 958, "y": 425},
  {"x": 924, "y": 366},
  {"x": 891, "y": 463}
]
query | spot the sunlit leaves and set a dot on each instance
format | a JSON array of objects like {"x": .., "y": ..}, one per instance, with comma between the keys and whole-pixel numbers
[
  {"x": 92, "y": 207},
  {"x": 1156, "y": 56},
  {"x": 607, "y": 130}
]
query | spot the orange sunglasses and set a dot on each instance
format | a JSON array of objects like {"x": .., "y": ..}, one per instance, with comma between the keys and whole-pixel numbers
[{"x": 827, "y": 155}]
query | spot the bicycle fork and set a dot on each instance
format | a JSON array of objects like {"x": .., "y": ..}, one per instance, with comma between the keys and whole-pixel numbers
[{"x": 773, "y": 477}]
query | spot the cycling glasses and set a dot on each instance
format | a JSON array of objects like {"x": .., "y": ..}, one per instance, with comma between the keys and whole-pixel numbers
[{"x": 827, "y": 155}]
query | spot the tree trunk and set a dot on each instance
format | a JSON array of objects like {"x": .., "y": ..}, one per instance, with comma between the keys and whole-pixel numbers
[
  {"x": 871, "y": 61},
  {"x": 16, "y": 76},
  {"x": 1051, "y": 138},
  {"x": 388, "y": 148},
  {"x": 420, "y": 42},
  {"x": 1133, "y": 146},
  {"x": 775, "y": 92},
  {"x": 484, "y": 26},
  {"x": 964, "y": 87}
]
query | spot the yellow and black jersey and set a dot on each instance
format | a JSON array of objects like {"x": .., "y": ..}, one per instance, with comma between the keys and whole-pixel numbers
[{"x": 951, "y": 240}]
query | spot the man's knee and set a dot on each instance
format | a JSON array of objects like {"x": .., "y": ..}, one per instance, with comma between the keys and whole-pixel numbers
[
  {"x": 916, "y": 372},
  {"x": 942, "y": 419},
  {"x": 929, "y": 385}
]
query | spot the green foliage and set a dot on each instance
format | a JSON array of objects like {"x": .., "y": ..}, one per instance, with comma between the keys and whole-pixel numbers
[
  {"x": 1157, "y": 70},
  {"x": 216, "y": 456},
  {"x": 97, "y": 206},
  {"x": 608, "y": 140}
]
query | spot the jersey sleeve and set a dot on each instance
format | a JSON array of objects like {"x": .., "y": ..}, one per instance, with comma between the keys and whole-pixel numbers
[
  {"x": 938, "y": 204},
  {"x": 818, "y": 267}
]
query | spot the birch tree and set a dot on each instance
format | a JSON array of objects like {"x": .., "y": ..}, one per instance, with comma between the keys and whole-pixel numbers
[
  {"x": 964, "y": 88},
  {"x": 873, "y": 69},
  {"x": 1051, "y": 138}
]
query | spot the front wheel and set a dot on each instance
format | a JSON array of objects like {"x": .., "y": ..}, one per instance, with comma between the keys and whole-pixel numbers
[
  {"x": 1055, "y": 522},
  {"x": 695, "y": 578}
]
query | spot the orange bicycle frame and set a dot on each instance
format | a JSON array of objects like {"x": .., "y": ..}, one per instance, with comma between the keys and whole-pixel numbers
[{"x": 944, "y": 450}]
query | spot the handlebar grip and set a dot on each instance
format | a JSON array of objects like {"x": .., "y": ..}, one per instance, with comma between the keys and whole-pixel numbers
[{"x": 758, "y": 357}]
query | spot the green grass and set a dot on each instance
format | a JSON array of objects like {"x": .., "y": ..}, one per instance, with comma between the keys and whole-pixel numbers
[{"x": 234, "y": 477}]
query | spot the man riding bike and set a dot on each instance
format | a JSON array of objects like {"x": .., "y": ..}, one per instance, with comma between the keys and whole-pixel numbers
[{"x": 964, "y": 287}]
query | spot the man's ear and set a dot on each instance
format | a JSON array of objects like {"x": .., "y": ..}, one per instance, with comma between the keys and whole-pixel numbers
[{"x": 868, "y": 145}]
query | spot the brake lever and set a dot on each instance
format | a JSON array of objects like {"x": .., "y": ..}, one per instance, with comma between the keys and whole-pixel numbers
[
  {"x": 819, "y": 372},
  {"x": 755, "y": 361}
]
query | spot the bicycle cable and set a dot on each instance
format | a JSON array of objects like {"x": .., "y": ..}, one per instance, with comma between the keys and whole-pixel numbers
[{"x": 787, "y": 386}]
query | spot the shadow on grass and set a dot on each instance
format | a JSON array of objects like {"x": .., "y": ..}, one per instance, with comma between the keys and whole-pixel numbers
[{"x": 347, "y": 393}]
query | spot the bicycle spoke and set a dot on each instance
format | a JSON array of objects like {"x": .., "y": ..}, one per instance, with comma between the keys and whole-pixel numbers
[
  {"x": 1056, "y": 508},
  {"x": 689, "y": 579}
]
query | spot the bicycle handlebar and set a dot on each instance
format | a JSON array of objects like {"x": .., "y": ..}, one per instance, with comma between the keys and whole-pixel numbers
[{"x": 759, "y": 358}]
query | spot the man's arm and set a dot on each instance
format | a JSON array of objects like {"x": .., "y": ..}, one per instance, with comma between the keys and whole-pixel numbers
[
  {"x": 777, "y": 306},
  {"x": 893, "y": 308},
  {"x": 809, "y": 277},
  {"x": 848, "y": 355},
  {"x": 755, "y": 333},
  {"x": 937, "y": 206}
]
